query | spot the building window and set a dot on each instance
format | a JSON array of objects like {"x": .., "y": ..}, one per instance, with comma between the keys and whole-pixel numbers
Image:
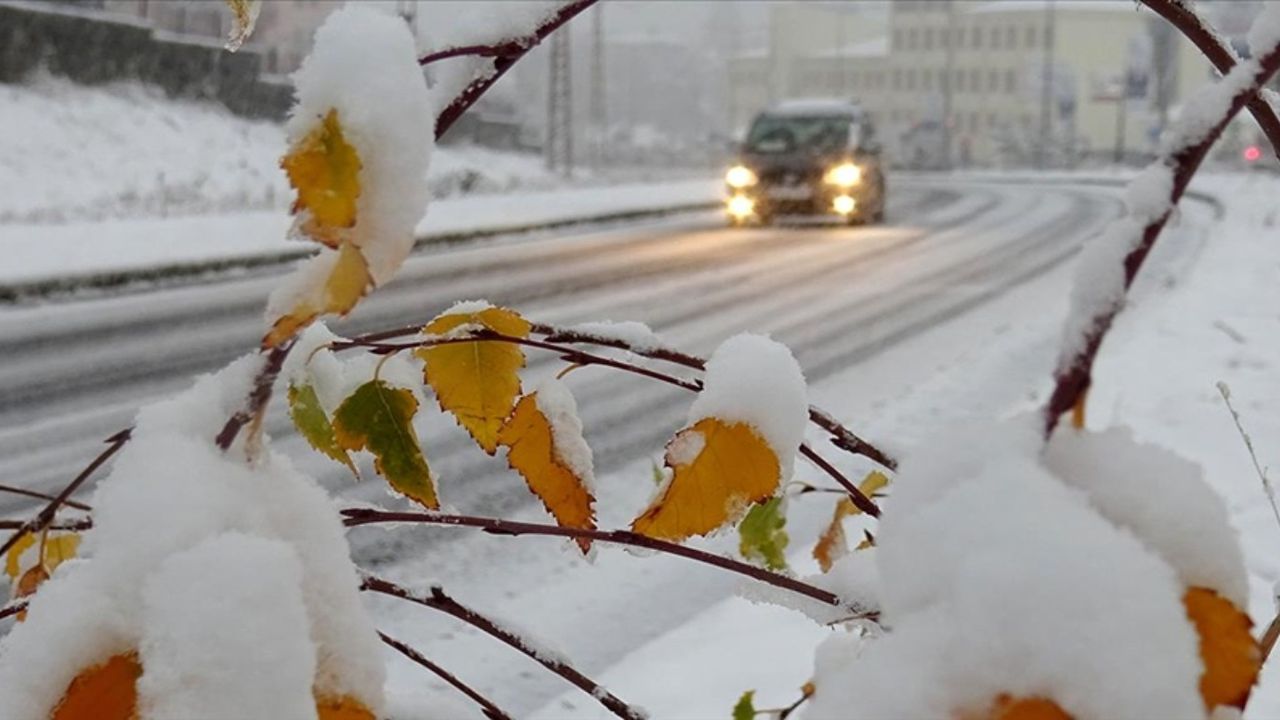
[
  {"x": 911, "y": 79},
  {"x": 995, "y": 38},
  {"x": 975, "y": 38},
  {"x": 993, "y": 81},
  {"x": 897, "y": 39},
  {"x": 912, "y": 43},
  {"x": 973, "y": 121},
  {"x": 991, "y": 120},
  {"x": 975, "y": 80},
  {"x": 897, "y": 78},
  {"x": 959, "y": 80},
  {"x": 928, "y": 38},
  {"x": 926, "y": 80},
  {"x": 1010, "y": 81},
  {"x": 1010, "y": 37},
  {"x": 1031, "y": 37}
]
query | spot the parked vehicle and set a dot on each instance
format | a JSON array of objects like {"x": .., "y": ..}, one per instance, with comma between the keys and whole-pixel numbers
[{"x": 808, "y": 157}]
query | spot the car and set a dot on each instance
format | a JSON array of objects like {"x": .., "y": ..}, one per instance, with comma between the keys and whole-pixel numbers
[{"x": 810, "y": 157}]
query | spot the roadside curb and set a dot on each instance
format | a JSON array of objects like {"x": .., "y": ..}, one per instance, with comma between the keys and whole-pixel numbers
[
  {"x": 1208, "y": 198},
  {"x": 194, "y": 271}
]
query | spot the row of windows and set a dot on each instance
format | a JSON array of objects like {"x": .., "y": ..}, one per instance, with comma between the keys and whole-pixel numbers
[
  {"x": 975, "y": 38},
  {"x": 972, "y": 121},
  {"x": 909, "y": 80}
]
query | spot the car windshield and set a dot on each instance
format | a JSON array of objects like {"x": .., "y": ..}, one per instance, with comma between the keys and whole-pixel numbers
[{"x": 779, "y": 134}]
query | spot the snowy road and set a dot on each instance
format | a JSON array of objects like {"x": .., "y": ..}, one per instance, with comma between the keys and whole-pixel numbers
[{"x": 73, "y": 374}]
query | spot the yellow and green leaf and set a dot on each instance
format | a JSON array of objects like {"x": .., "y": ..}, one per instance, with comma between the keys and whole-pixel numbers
[
  {"x": 745, "y": 709},
  {"x": 314, "y": 424},
  {"x": 325, "y": 170},
  {"x": 831, "y": 544},
  {"x": 379, "y": 418},
  {"x": 477, "y": 381}
]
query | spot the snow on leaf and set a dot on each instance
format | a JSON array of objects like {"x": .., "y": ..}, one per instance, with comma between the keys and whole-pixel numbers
[
  {"x": 314, "y": 425},
  {"x": 107, "y": 691},
  {"x": 745, "y": 709},
  {"x": 831, "y": 545},
  {"x": 718, "y": 469},
  {"x": 532, "y": 450},
  {"x": 379, "y": 418},
  {"x": 325, "y": 170},
  {"x": 1231, "y": 656},
  {"x": 245, "y": 13},
  {"x": 340, "y": 279},
  {"x": 762, "y": 534},
  {"x": 478, "y": 382}
]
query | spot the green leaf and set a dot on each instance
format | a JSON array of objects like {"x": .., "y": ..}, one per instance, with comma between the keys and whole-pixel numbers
[
  {"x": 310, "y": 419},
  {"x": 745, "y": 710},
  {"x": 762, "y": 534},
  {"x": 659, "y": 476},
  {"x": 379, "y": 418}
]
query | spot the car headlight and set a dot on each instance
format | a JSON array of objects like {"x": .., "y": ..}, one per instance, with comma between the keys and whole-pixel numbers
[
  {"x": 740, "y": 176},
  {"x": 844, "y": 175}
]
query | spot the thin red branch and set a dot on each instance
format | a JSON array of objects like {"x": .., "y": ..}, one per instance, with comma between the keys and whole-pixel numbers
[
  {"x": 504, "y": 49},
  {"x": 354, "y": 517},
  {"x": 503, "y": 63},
  {"x": 1072, "y": 379},
  {"x": 1221, "y": 55},
  {"x": 13, "y": 608},
  {"x": 46, "y": 516},
  {"x": 78, "y": 525},
  {"x": 491, "y": 711},
  {"x": 438, "y": 600},
  {"x": 259, "y": 395},
  {"x": 581, "y": 357},
  {"x": 42, "y": 496}
]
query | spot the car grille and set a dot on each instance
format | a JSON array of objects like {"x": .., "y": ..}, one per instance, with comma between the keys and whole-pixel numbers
[{"x": 789, "y": 177}]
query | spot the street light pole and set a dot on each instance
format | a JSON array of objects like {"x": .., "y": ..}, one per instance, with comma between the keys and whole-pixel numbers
[
  {"x": 949, "y": 43},
  {"x": 1046, "y": 89}
]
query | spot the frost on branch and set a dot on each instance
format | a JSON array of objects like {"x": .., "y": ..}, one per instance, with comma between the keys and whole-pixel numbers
[
  {"x": 361, "y": 136},
  {"x": 740, "y": 444},
  {"x": 172, "y": 497}
]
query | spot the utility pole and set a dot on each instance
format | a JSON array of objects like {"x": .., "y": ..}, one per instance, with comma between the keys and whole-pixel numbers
[
  {"x": 599, "y": 108},
  {"x": 559, "y": 143},
  {"x": 949, "y": 34},
  {"x": 1046, "y": 89}
]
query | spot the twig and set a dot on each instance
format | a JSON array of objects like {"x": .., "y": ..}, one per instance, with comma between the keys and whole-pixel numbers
[
  {"x": 1220, "y": 54},
  {"x": 259, "y": 395},
  {"x": 42, "y": 496},
  {"x": 1225, "y": 391},
  {"x": 1074, "y": 374},
  {"x": 354, "y": 517},
  {"x": 46, "y": 516},
  {"x": 438, "y": 600},
  {"x": 1268, "y": 641},
  {"x": 14, "y": 607},
  {"x": 79, "y": 525},
  {"x": 581, "y": 357},
  {"x": 491, "y": 711},
  {"x": 503, "y": 62}
]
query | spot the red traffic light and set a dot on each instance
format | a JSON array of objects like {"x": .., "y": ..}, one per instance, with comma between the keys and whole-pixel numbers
[{"x": 1252, "y": 153}]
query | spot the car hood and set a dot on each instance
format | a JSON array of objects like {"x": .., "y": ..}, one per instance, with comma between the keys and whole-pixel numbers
[{"x": 771, "y": 163}]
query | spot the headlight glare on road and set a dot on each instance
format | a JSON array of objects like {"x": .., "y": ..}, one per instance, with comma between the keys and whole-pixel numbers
[
  {"x": 844, "y": 204},
  {"x": 740, "y": 176},
  {"x": 844, "y": 175},
  {"x": 741, "y": 206}
]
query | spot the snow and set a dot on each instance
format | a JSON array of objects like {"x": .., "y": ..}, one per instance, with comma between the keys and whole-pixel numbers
[
  {"x": 814, "y": 106},
  {"x": 226, "y": 633},
  {"x": 1161, "y": 498},
  {"x": 684, "y": 448},
  {"x": 1011, "y": 583},
  {"x": 557, "y": 405},
  {"x": 1264, "y": 34},
  {"x": 467, "y": 307},
  {"x": 171, "y": 490},
  {"x": 637, "y": 335},
  {"x": 755, "y": 380},
  {"x": 1147, "y": 197},
  {"x": 363, "y": 65}
]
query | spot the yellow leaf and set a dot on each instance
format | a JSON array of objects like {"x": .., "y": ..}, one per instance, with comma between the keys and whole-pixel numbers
[
  {"x": 831, "y": 544},
  {"x": 245, "y": 14},
  {"x": 1026, "y": 708},
  {"x": 341, "y": 708},
  {"x": 478, "y": 381},
  {"x": 345, "y": 283},
  {"x": 58, "y": 548},
  {"x": 380, "y": 418},
  {"x": 325, "y": 170},
  {"x": 718, "y": 470},
  {"x": 13, "y": 558},
  {"x": 103, "y": 692},
  {"x": 1231, "y": 656},
  {"x": 532, "y": 451}
]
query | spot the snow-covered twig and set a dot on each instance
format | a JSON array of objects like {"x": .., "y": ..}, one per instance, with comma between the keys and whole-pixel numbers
[
  {"x": 78, "y": 525},
  {"x": 45, "y": 517},
  {"x": 503, "y": 62},
  {"x": 439, "y": 600},
  {"x": 1218, "y": 52},
  {"x": 1095, "y": 309},
  {"x": 491, "y": 711},
  {"x": 580, "y": 357},
  {"x": 353, "y": 517},
  {"x": 1267, "y": 488}
]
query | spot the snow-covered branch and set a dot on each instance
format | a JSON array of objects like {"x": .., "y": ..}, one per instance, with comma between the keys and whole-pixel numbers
[
  {"x": 1220, "y": 53},
  {"x": 439, "y": 600},
  {"x": 1111, "y": 262}
]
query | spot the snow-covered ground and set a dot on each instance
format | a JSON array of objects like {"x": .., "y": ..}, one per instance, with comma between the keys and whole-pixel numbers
[{"x": 1204, "y": 312}]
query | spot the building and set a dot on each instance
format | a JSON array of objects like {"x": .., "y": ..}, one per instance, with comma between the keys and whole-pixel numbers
[{"x": 1003, "y": 82}]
